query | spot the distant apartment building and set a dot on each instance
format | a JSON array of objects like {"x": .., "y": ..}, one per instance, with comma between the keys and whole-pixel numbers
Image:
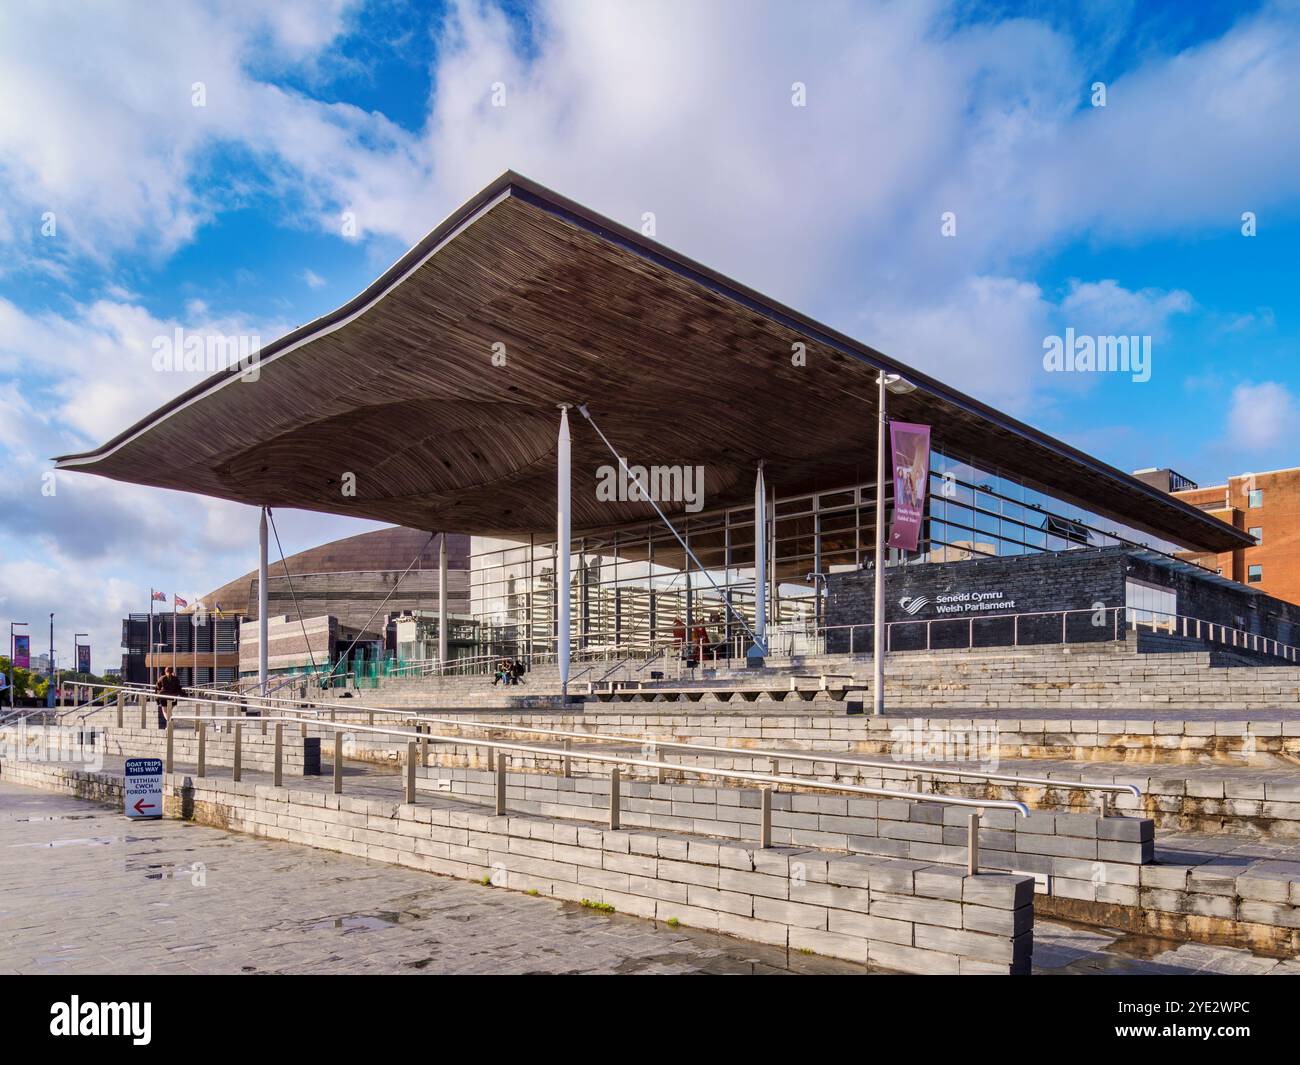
[{"x": 1266, "y": 506}]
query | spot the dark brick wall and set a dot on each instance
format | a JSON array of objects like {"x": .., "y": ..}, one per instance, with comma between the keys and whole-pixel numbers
[
  {"x": 1261, "y": 614},
  {"x": 971, "y": 602}
]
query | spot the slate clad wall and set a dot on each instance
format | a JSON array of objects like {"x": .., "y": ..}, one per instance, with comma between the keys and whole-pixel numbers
[{"x": 1069, "y": 580}]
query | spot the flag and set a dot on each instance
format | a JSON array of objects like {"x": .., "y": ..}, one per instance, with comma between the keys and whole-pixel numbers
[
  {"x": 179, "y": 601},
  {"x": 158, "y": 597},
  {"x": 911, "y": 447}
]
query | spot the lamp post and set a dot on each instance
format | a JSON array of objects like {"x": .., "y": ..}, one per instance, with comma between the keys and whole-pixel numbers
[
  {"x": 887, "y": 382},
  {"x": 12, "y": 649}
]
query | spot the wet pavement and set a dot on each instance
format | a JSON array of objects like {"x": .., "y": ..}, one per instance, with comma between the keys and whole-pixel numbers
[{"x": 82, "y": 890}]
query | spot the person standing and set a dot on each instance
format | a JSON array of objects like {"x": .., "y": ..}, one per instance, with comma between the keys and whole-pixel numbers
[{"x": 168, "y": 689}]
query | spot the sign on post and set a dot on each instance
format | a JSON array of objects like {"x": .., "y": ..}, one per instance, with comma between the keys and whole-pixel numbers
[{"x": 143, "y": 792}]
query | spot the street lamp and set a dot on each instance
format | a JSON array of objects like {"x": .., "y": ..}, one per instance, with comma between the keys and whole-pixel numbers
[
  {"x": 899, "y": 386},
  {"x": 12, "y": 649}
]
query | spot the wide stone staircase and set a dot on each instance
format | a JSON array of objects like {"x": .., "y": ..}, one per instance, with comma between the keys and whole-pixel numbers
[{"x": 1131, "y": 673}]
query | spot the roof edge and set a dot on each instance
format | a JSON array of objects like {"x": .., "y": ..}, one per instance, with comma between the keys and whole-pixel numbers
[{"x": 511, "y": 183}]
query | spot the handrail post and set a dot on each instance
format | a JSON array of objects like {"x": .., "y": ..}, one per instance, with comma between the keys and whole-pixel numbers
[
  {"x": 424, "y": 745},
  {"x": 765, "y": 821},
  {"x": 338, "y": 762},
  {"x": 566, "y": 763},
  {"x": 171, "y": 746},
  {"x": 410, "y": 772},
  {"x": 501, "y": 786},
  {"x": 144, "y": 709},
  {"x": 973, "y": 845},
  {"x": 121, "y": 700},
  {"x": 236, "y": 773},
  {"x": 614, "y": 802},
  {"x": 203, "y": 748},
  {"x": 278, "y": 777}
]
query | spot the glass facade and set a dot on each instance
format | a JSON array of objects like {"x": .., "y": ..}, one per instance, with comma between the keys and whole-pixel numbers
[{"x": 632, "y": 586}]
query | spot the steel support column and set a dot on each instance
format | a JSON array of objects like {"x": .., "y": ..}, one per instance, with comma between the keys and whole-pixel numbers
[
  {"x": 878, "y": 628},
  {"x": 562, "y": 545},
  {"x": 262, "y": 601},
  {"x": 760, "y": 564},
  {"x": 442, "y": 600}
]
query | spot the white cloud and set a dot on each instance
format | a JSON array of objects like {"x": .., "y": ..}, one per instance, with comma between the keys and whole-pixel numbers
[
  {"x": 1261, "y": 416},
  {"x": 1106, "y": 308},
  {"x": 682, "y": 109},
  {"x": 984, "y": 337}
]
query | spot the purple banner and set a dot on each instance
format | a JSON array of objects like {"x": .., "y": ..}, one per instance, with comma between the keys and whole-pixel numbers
[
  {"x": 911, "y": 447},
  {"x": 22, "y": 652},
  {"x": 83, "y": 658}
]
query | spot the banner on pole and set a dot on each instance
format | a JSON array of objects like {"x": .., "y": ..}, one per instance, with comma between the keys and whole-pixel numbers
[
  {"x": 911, "y": 448},
  {"x": 83, "y": 658},
  {"x": 22, "y": 652}
]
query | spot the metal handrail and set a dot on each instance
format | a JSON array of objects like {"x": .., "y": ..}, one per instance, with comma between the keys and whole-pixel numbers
[
  {"x": 648, "y": 763},
  {"x": 497, "y": 750},
  {"x": 794, "y": 756}
]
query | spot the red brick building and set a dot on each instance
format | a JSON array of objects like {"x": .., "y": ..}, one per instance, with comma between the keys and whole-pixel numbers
[{"x": 1265, "y": 505}]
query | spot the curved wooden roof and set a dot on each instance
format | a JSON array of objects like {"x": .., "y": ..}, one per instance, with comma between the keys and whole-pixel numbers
[{"x": 679, "y": 365}]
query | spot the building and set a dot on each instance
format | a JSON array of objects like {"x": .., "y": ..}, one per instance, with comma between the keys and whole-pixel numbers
[
  {"x": 200, "y": 646},
  {"x": 1266, "y": 506},
  {"x": 339, "y": 602},
  {"x": 754, "y": 425}
]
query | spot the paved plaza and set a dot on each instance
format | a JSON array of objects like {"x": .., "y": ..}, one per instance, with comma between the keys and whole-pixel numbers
[{"x": 82, "y": 890}]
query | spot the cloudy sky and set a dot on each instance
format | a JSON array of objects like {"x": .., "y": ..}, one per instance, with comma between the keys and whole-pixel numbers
[{"x": 182, "y": 165}]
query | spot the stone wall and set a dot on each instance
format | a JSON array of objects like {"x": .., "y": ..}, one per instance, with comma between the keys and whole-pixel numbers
[{"x": 1074, "y": 855}]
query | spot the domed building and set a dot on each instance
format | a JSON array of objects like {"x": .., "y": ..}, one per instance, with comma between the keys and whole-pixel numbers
[{"x": 345, "y": 599}]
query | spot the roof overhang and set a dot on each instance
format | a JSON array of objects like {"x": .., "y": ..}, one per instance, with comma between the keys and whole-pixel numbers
[{"x": 679, "y": 365}]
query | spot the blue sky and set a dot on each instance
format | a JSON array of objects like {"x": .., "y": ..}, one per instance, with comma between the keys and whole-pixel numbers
[{"x": 225, "y": 218}]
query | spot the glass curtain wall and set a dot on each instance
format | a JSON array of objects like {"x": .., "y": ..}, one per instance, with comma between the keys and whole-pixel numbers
[{"x": 633, "y": 586}]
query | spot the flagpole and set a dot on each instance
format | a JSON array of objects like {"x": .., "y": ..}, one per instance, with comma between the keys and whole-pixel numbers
[
  {"x": 173, "y": 632},
  {"x": 148, "y": 650}
]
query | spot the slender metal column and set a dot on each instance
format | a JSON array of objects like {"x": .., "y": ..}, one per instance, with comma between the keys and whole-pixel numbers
[
  {"x": 562, "y": 546},
  {"x": 442, "y": 600},
  {"x": 760, "y": 563},
  {"x": 262, "y": 601},
  {"x": 878, "y": 653}
]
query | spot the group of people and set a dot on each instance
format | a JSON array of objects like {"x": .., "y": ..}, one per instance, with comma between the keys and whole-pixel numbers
[
  {"x": 509, "y": 671},
  {"x": 168, "y": 689},
  {"x": 701, "y": 642}
]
